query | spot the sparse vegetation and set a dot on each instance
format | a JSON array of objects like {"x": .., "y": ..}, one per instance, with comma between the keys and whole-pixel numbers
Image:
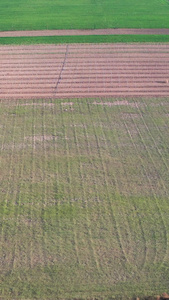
[{"x": 84, "y": 198}]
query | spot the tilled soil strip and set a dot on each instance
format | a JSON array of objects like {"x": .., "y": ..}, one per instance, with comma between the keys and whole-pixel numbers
[
  {"x": 44, "y": 71},
  {"x": 108, "y": 31}
]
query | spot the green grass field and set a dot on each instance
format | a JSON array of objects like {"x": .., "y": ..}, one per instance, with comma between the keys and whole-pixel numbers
[
  {"x": 85, "y": 39},
  {"x": 83, "y": 14},
  {"x": 84, "y": 198}
]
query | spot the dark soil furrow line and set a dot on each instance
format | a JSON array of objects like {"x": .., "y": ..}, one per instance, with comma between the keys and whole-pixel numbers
[{"x": 62, "y": 69}]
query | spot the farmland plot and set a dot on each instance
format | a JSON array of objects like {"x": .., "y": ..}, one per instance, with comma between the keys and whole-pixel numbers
[
  {"x": 82, "y": 14},
  {"x": 42, "y": 71},
  {"x": 84, "y": 198}
]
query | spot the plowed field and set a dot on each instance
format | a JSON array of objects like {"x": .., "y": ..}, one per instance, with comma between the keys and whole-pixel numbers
[{"x": 56, "y": 71}]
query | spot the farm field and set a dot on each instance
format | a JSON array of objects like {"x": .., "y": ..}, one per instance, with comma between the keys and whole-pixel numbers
[
  {"x": 84, "y": 198},
  {"x": 49, "y": 71},
  {"x": 89, "y": 32},
  {"x": 90, "y": 39},
  {"x": 83, "y": 14}
]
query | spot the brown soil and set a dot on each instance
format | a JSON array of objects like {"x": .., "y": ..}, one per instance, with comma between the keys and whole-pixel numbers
[
  {"x": 164, "y": 296},
  {"x": 97, "y": 70},
  {"x": 40, "y": 138},
  {"x": 117, "y": 103},
  {"x": 108, "y": 31}
]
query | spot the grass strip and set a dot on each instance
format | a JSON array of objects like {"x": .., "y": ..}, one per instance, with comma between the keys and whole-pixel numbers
[
  {"x": 84, "y": 39},
  {"x": 83, "y": 14}
]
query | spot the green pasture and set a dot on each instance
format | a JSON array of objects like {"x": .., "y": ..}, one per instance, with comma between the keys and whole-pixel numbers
[
  {"x": 84, "y": 39},
  {"x": 84, "y": 198},
  {"x": 83, "y": 14}
]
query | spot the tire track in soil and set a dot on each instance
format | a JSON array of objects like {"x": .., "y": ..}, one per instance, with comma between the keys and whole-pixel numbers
[
  {"x": 81, "y": 176},
  {"x": 58, "y": 179},
  {"x": 160, "y": 180},
  {"x": 163, "y": 140},
  {"x": 98, "y": 198},
  {"x": 45, "y": 190},
  {"x": 128, "y": 227},
  {"x": 86, "y": 198},
  {"x": 119, "y": 238},
  {"x": 133, "y": 203},
  {"x": 152, "y": 138},
  {"x": 18, "y": 194},
  {"x": 33, "y": 172},
  {"x": 14, "y": 240},
  {"x": 2, "y": 149},
  {"x": 69, "y": 180},
  {"x": 80, "y": 166},
  {"x": 114, "y": 181},
  {"x": 152, "y": 189},
  {"x": 57, "y": 201}
]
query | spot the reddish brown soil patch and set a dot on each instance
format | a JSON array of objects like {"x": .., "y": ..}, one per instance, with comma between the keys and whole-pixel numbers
[
  {"x": 164, "y": 296},
  {"x": 108, "y": 31},
  {"x": 68, "y": 71}
]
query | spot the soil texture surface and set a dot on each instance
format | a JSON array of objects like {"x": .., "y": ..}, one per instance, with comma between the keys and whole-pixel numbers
[
  {"x": 84, "y": 70},
  {"x": 108, "y": 31}
]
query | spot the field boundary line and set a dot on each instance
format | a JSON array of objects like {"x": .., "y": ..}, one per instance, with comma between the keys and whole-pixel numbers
[{"x": 74, "y": 32}]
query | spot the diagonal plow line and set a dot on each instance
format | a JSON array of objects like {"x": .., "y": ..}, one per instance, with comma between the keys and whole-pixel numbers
[{"x": 62, "y": 69}]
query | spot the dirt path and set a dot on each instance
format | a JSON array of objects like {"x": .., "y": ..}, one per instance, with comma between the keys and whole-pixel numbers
[
  {"x": 83, "y": 32},
  {"x": 58, "y": 71}
]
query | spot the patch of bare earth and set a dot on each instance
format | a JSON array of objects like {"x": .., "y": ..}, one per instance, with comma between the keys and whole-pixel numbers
[
  {"x": 117, "y": 103},
  {"x": 164, "y": 296},
  {"x": 97, "y": 70},
  {"x": 108, "y": 31},
  {"x": 67, "y": 103},
  {"x": 37, "y": 104},
  {"x": 39, "y": 138}
]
